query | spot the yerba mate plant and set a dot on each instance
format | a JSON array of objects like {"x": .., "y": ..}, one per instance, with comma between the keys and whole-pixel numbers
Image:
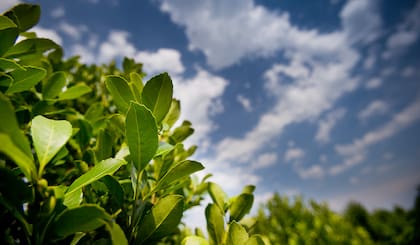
[{"x": 88, "y": 154}]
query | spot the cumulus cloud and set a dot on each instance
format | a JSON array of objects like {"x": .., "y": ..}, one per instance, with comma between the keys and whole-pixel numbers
[
  {"x": 375, "y": 108},
  {"x": 58, "y": 12},
  {"x": 163, "y": 59},
  {"x": 293, "y": 153},
  {"x": 373, "y": 83},
  {"x": 245, "y": 102},
  {"x": 356, "y": 152},
  {"x": 313, "y": 172},
  {"x": 265, "y": 160},
  {"x": 327, "y": 124}
]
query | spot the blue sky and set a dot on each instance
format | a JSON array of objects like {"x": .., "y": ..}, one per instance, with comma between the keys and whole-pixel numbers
[{"x": 319, "y": 98}]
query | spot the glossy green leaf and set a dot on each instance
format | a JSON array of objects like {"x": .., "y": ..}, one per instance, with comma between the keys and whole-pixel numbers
[
  {"x": 8, "y": 34},
  {"x": 248, "y": 189},
  {"x": 157, "y": 95},
  {"x": 120, "y": 91},
  {"x": 8, "y": 65},
  {"x": 73, "y": 199},
  {"x": 103, "y": 148},
  {"x": 217, "y": 194},
  {"x": 25, "y": 79},
  {"x": 31, "y": 46},
  {"x": 173, "y": 113},
  {"x": 136, "y": 85},
  {"x": 162, "y": 220},
  {"x": 54, "y": 85},
  {"x": 194, "y": 240},
  {"x": 85, "y": 218},
  {"x": 141, "y": 134},
  {"x": 236, "y": 234},
  {"x": 255, "y": 240},
  {"x": 177, "y": 172},
  {"x": 105, "y": 167},
  {"x": 116, "y": 233},
  {"x": 27, "y": 15},
  {"x": 75, "y": 92},
  {"x": 215, "y": 223},
  {"x": 163, "y": 148},
  {"x": 49, "y": 136},
  {"x": 241, "y": 206},
  {"x": 114, "y": 189}
]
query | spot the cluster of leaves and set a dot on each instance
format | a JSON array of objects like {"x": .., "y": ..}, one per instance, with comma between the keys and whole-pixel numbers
[
  {"x": 398, "y": 226},
  {"x": 89, "y": 155},
  {"x": 286, "y": 221}
]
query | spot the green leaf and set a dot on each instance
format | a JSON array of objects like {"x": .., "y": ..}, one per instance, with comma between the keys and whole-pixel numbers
[
  {"x": 181, "y": 133},
  {"x": 85, "y": 218},
  {"x": 141, "y": 134},
  {"x": 236, "y": 234},
  {"x": 173, "y": 113},
  {"x": 75, "y": 92},
  {"x": 116, "y": 233},
  {"x": 25, "y": 79},
  {"x": 8, "y": 65},
  {"x": 13, "y": 189},
  {"x": 157, "y": 95},
  {"x": 73, "y": 200},
  {"x": 215, "y": 223},
  {"x": 162, "y": 220},
  {"x": 49, "y": 136},
  {"x": 194, "y": 240},
  {"x": 241, "y": 206},
  {"x": 52, "y": 88},
  {"x": 27, "y": 15},
  {"x": 103, "y": 148},
  {"x": 217, "y": 194},
  {"x": 136, "y": 85},
  {"x": 8, "y": 34},
  {"x": 255, "y": 240},
  {"x": 248, "y": 189},
  {"x": 163, "y": 148},
  {"x": 31, "y": 46},
  {"x": 177, "y": 172},
  {"x": 120, "y": 91},
  {"x": 114, "y": 189},
  {"x": 105, "y": 167}
]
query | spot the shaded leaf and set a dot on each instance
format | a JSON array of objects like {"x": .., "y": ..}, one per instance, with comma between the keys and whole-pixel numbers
[
  {"x": 49, "y": 136},
  {"x": 31, "y": 46},
  {"x": 27, "y": 15},
  {"x": 52, "y": 88},
  {"x": 13, "y": 188},
  {"x": 7, "y": 65},
  {"x": 25, "y": 79},
  {"x": 236, "y": 234},
  {"x": 116, "y": 233},
  {"x": 217, "y": 195},
  {"x": 87, "y": 217},
  {"x": 255, "y": 240},
  {"x": 157, "y": 95},
  {"x": 8, "y": 34},
  {"x": 141, "y": 134},
  {"x": 241, "y": 206},
  {"x": 162, "y": 220},
  {"x": 215, "y": 223}
]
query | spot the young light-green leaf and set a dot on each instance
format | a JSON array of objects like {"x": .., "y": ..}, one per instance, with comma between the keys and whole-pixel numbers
[
  {"x": 116, "y": 233},
  {"x": 255, "y": 240},
  {"x": 49, "y": 136},
  {"x": 236, "y": 234},
  {"x": 52, "y": 88},
  {"x": 25, "y": 79},
  {"x": 120, "y": 91},
  {"x": 162, "y": 220},
  {"x": 173, "y": 113},
  {"x": 194, "y": 240},
  {"x": 142, "y": 135},
  {"x": 177, "y": 172},
  {"x": 241, "y": 206},
  {"x": 217, "y": 194},
  {"x": 85, "y": 218},
  {"x": 215, "y": 223},
  {"x": 75, "y": 92},
  {"x": 157, "y": 95},
  {"x": 73, "y": 199},
  {"x": 105, "y": 167}
]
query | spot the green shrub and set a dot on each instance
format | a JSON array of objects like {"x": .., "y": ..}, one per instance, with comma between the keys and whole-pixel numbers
[{"x": 89, "y": 155}]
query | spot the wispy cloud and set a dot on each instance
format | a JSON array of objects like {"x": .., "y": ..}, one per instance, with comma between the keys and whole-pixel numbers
[
  {"x": 245, "y": 102},
  {"x": 326, "y": 125},
  {"x": 374, "y": 108}
]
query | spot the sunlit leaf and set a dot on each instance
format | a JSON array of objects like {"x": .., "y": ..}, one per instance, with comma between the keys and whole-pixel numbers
[{"x": 157, "y": 95}]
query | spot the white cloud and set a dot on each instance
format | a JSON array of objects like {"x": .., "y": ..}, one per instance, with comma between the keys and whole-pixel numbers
[
  {"x": 7, "y": 4},
  {"x": 293, "y": 154},
  {"x": 265, "y": 160},
  {"x": 375, "y": 108},
  {"x": 163, "y": 59},
  {"x": 245, "y": 102},
  {"x": 327, "y": 124},
  {"x": 313, "y": 172},
  {"x": 373, "y": 83},
  {"x": 116, "y": 46},
  {"x": 47, "y": 33},
  {"x": 58, "y": 12},
  {"x": 408, "y": 72},
  {"x": 355, "y": 153},
  {"x": 72, "y": 31},
  {"x": 361, "y": 21},
  {"x": 200, "y": 99},
  {"x": 407, "y": 33}
]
